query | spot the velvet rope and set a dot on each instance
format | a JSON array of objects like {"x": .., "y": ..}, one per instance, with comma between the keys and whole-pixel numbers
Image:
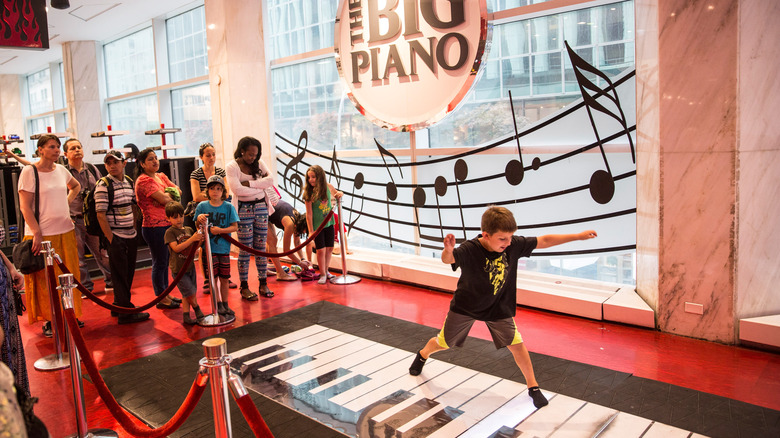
[
  {"x": 55, "y": 300},
  {"x": 118, "y": 309},
  {"x": 257, "y": 252},
  {"x": 181, "y": 415},
  {"x": 253, "y": 417}
]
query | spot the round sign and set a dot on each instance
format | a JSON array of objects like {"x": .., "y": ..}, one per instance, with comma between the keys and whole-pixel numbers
[{"x": 408, "y": 63}]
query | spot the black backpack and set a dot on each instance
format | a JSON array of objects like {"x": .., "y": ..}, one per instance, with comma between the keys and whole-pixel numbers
[{"x": 91, "y": 222}]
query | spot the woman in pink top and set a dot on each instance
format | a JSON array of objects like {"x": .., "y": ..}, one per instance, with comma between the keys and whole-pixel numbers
[{"x": 152, "y": 193}]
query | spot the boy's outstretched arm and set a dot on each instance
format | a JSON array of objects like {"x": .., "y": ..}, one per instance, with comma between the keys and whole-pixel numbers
[
  {"x": 449, "y": 245},
  {"x": 549, "y": 240}
]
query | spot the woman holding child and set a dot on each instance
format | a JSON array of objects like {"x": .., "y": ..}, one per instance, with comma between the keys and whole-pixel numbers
[
  {"x": 248, "y": 178},
  {"x": 153, "y": 191}
]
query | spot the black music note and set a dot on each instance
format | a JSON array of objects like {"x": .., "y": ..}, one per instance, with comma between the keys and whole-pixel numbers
[
  {"x": 602, "y": 183},
  {"x": 356, "y": 185},
  {"x": 335, "y": 170},
  {"x": 440, "y": 187},
  {"x": 515, "y": 170},
  {"x": 295, "y": 180},
  {"x": 461, "y": 172},
  {"x": 418, "y": 200},
  {"x": 391, "y": 188}
]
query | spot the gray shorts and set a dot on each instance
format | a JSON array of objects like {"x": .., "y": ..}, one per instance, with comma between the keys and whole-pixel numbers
[
  {"x": 187, "y": 285},
  {"x": 456, "y": 329}
]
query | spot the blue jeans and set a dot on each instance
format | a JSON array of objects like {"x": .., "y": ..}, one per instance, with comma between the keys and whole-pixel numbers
[{"x": 155, "y": 238}]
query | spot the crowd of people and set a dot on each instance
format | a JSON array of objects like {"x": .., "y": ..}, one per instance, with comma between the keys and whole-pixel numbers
[{"x": 241, "y": 198}]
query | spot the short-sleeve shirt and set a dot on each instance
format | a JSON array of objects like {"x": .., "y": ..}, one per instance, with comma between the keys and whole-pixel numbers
[
  {"x": 281, "y": 211},
  {"x": 177, "y": 259},
  {"x": 198, "y": 175},
  {"x": 120, "y": 213},
  {"x": 87, "y": 177},
  {"x": 153, "y": 212},
  {"x": 221, "y": 217},
  {"x": 53, "y": 209},
  {"x": 487, "y": 288},
  {"x": 320, "y": 209}
]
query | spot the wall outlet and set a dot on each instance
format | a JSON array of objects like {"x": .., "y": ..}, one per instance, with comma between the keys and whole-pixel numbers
[{"x": 698, "y": 309}]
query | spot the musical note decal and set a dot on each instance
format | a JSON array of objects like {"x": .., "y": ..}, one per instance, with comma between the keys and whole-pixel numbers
[
  {"x": 602, "y": 183},
  {"x": 295, "y": 179},
  {"x": 461, "y": 173},
  {"x": 405, "y": 207}
]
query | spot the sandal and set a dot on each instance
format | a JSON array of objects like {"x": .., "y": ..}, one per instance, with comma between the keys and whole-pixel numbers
[
  {"x": 265, "y": 291},
  {"x": 248, "y": 295}
]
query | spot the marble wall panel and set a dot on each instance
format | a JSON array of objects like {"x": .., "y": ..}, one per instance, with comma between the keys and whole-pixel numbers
[
  {"x": 697, "y": 77},
  {"x": 758, "y": 270},
  {"x": 82, "y": 92},
  {"x": 11, "y": 118}
]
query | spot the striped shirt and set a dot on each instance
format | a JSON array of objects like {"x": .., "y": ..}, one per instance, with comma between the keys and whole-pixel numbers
[
  {"x": 198, "y": 175},
  {"x": 120, "y": 214}
]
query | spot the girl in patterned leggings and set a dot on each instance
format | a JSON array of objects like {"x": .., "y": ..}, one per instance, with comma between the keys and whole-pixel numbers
[{"x": 248, "y": 177}]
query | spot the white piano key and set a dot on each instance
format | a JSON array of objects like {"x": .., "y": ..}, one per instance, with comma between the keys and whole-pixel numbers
[
  {"x": 660, "y": 430},
  {"x": 385, "y": 375},
  {"x": 281, "y": 340},
  {"x": 354, "y": 363},
  {"x": 458, "y": 395},
  {"x": 431, "y": 389},
  {"x": 324, "y": 362},
  {"x": 586, "y": 423},
  {"x": 405, "y": 382},
  {"x": 314, "y": 338},
  {"x": 312, "y": 348},
  {"x": 510, "y": 414},
  {"x": 480, "y": 407},
  {"x": 550, "y": 417},
  {"x": 626, "y": 426}
]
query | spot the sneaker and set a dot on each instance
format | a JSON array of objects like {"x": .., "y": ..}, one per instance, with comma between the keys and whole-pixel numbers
[
  {"x": 188, "y": 319},
  {"x": 536, "y": 395},
  {"x": 417, "y": 365},
  {"x": 47, "y": 329},
  {"x": 108, "y": 290},
  {"x": 133, "y": 317},
  {"x": 322, "y": 280},
  {"x": 232, "y": 285}
]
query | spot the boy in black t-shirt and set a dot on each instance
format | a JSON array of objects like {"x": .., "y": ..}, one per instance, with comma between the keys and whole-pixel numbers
[{"x": 487, "y": 290}]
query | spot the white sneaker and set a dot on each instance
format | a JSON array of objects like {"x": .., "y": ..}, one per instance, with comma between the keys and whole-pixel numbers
[{"x": 322, "y": 280}]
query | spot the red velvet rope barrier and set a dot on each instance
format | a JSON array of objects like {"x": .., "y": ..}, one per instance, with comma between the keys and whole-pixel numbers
[
  {"x": 253, "y": 417},
  {"x": 257, "y": 252},
  {"x": 181, "y": 415},
  {"x": 117, "y": 309}
]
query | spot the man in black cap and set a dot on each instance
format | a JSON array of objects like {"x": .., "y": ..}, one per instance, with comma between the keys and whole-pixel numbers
[{"x": 114, "y": 200}]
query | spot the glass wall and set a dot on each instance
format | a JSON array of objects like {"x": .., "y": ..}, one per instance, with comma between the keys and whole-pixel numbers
[
  {"x": 527, "y": 57},
  {"x": 141, "y": 99},
  {"x": 39, "y": 92}
]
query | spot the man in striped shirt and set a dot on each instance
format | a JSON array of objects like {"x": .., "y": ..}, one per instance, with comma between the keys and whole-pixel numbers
[{"x": 118, "y": 225}]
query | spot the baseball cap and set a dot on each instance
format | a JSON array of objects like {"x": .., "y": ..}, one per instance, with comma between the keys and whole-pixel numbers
[
  {"x": 215, "y": 179},
  {"x": 114, "y": 154}
]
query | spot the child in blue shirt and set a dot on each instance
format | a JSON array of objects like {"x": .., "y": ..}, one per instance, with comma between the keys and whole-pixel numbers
[{"x": 223, "y": 219}]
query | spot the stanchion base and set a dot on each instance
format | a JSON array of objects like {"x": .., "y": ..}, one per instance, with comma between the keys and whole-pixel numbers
[
  {"x": 216, "y": 320},
  {"x": 52, "y": 362},
  {"x": 345, "y": 279},
  {"x": 97, "y": 433}
]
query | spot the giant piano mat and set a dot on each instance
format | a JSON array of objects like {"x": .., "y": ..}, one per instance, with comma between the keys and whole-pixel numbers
[{"x": 328, "y": 370}]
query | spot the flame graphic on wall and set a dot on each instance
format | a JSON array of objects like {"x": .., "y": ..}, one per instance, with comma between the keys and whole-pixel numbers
[{"x": 23, "y": 24}]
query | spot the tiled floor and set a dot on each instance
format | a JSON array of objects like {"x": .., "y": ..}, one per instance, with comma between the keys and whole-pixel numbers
[{"x": 745, "y": 375}]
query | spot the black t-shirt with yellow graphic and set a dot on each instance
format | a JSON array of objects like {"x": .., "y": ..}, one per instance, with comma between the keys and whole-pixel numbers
[{"x": 487, "y": 288}]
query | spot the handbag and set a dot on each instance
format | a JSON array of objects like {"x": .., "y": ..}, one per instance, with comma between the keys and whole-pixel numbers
[{"x": 24, "y": 260}]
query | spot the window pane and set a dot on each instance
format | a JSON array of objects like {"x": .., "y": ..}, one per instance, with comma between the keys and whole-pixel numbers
[
  {"x": 136, "y": 115},
  {"x": 192, "y": 113},
  {"x": 130, "y": 63},
  {"x": 299, "y": 26},
  {"x": 187, "y": 45},
  {"x": 39, "y": 92}
]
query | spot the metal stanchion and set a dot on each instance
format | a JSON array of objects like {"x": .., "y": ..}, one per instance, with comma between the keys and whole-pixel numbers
[
  {"x": 217, "y": 361},
  {"x": 58, "y": 360},
  {"x": 344, "y": 278},
  {"x": 67, "y": 284},
  {"x": 215, "y": 319}
]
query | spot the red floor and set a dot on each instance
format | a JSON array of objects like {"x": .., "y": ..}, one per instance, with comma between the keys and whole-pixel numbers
[{"x": 739, "y": 373}]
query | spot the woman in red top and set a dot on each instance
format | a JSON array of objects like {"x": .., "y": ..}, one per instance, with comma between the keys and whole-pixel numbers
[{"x": 152, "y": 191}]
